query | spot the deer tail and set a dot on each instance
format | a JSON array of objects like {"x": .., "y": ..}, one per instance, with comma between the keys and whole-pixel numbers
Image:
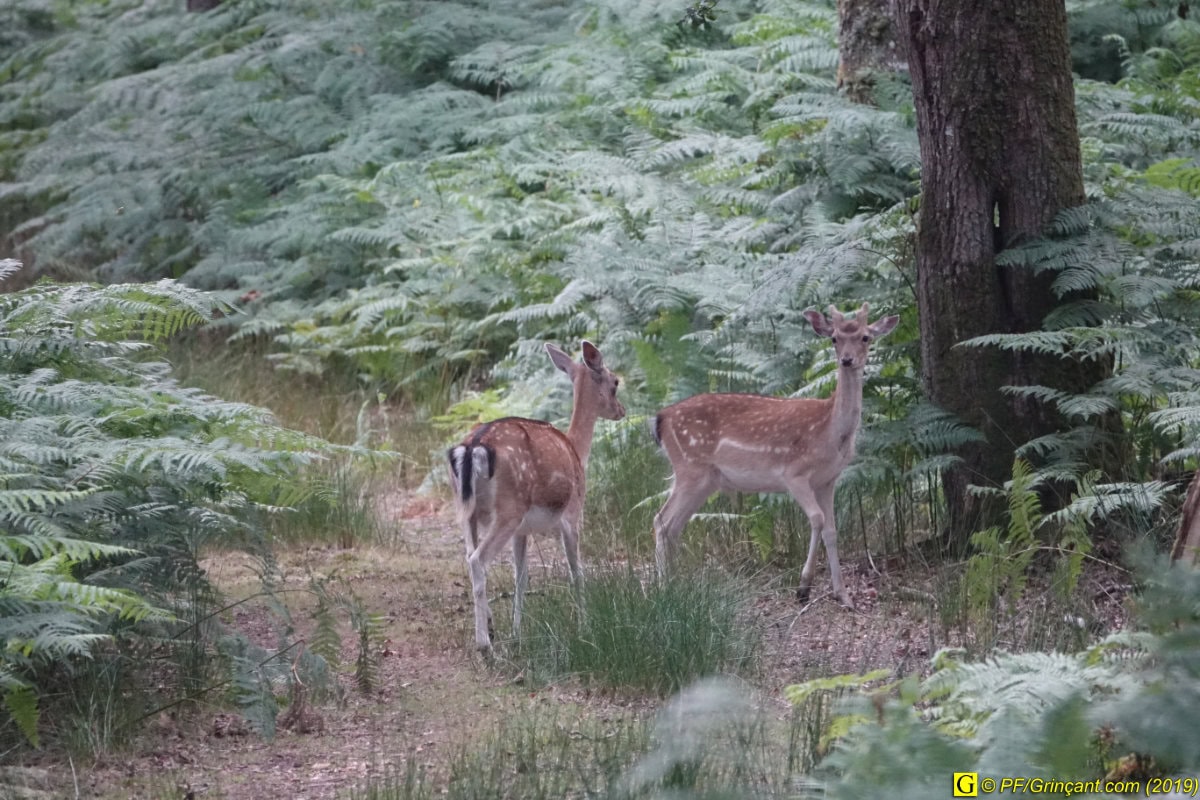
[
  {"x": 656, "y": 429},
  {"x": 468, "y": 465}
]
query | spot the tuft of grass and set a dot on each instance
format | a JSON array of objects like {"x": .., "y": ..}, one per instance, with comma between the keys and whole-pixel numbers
[
  {"x": 710, "y": 741},
  {"x": 96, "y": 711},
  {"x": 1043, "y": 621},
  {"x": 333, "y": 505},
  {"x": 533, "y": 755},
  {"x": 640, "y": 632}
]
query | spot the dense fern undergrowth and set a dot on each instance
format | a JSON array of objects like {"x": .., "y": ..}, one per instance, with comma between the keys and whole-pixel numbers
[
  {"x": 426, "y": 191},
  {"x": 115, "y": 482},
  {"x": 417, "y": 194}
]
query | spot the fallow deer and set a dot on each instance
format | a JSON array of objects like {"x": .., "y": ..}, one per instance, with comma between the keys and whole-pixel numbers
[
  {"x": 752, "y": 443},
  {"x": 515, "y": 476}
]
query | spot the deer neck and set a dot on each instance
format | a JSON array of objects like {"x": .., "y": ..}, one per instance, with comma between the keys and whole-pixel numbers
[
  {"x": 581, "y": 429},
  {"x": 847, "y": 407}
]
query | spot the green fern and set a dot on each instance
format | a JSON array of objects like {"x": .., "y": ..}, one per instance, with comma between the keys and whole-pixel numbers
[
  {"x": 1053, "y": 715},
  {"x": 21, "y": 703},
  {"x": 250, "y": 684},
  {"x": 1000, "y": 566},
  {"x": 334, "y": 596},
  {"x": 1001, "y": 562},
  {"x": 113, "y": 479}
]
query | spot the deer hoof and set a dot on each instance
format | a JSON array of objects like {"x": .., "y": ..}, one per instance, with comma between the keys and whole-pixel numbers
[{"x": 802, "y": 593}]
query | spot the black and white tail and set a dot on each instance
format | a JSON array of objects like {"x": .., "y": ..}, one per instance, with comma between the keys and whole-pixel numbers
[{"x": 468, "y": 463}]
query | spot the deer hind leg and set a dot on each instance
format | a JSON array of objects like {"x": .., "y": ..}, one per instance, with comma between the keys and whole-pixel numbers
[
  {"x": 470, "y": 528},
  {"x": 570, "y": 525},
  {"x": 472, "y": 522},
  {"x": 492, "y": 542},
  {"x": 688, "y": 493}
]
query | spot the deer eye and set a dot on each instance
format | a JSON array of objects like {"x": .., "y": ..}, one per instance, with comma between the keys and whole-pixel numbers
[
  {"x": 834, "y": 338},
  {"x": 866, "y": 338}
]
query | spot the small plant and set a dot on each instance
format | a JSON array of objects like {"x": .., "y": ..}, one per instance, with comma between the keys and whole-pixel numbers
[
  {"x": 1128, "y": 699},
  {"x": 1001, "y": 565},
  {"x": 334, "y": 596},
  {"x": 710, "y": 741},
  {"x": 333, "y": 502},
  {"x": 625, "y": 472},
  {"x": 409, "y": 782},
  {"x": 641, "y": 632}
]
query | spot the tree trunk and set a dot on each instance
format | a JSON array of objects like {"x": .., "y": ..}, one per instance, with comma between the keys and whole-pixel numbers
[
  {"x": 866, "y": 46},
  {"x": 1000, "y": 158},
  {"x": 1187, "y": 539}
]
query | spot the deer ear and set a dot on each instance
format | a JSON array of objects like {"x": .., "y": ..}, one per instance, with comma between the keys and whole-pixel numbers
[
  {"x": 883, "y": 327},
  {"x": 592, "y": 357},
  {"x": 560, "y": 358},
  {"x": 819, "y": 323}
]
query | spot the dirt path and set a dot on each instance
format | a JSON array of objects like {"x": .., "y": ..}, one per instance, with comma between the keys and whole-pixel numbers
[
  {"x": 429, "y": 687},
  {"x": 434, "y": 694}
]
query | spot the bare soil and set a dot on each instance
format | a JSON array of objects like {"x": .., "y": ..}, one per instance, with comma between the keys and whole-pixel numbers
[{"x": 434, "y": 693}]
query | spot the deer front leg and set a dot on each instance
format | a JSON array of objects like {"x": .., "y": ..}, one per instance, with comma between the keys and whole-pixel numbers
[
  {"x": 570, "y": 541},
  {"x": 829, "y": 537},
  {"x": 802, "y": 492},
  {"x": 569, "y": 533},
  {"x": 817, "y": 505},
  {"x": 520, "y": 579},
  {"x": 810, "y": 562}
]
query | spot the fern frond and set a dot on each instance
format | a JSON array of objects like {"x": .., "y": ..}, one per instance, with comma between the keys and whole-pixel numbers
[{"x": 22, "y": 705}]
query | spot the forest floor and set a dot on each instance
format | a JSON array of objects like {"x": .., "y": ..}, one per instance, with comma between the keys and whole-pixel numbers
[{"x": 434, "y": 693}]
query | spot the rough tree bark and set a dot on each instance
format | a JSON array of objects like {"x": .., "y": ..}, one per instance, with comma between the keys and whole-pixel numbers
[
  {"x": 1000, "y": 158},
  {"x": 866, "y": 46},
  {"x": 1187, "y": 538}
]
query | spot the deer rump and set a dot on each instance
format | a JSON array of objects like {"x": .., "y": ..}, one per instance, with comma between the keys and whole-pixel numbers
[{"x": 544, "y": 479}]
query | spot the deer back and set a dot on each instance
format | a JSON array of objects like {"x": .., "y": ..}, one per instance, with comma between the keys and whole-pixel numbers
[{"x": 747, "y": 433}]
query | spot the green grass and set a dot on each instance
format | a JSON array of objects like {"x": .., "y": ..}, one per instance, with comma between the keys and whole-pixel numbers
[
  {"x": 334, "y": 405},
  {"x": 710, "y": 741},
  {"x": 640, "y": 632},
  {"x": 334, "y": 505},
  {"x": 335, "y": 500},
  {"x": 626, "y": 473}
]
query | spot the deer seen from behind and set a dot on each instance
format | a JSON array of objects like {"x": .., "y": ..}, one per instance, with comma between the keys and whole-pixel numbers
[
  {"x": 752, "y": 443},
  {"x": 514, "y": 477}
]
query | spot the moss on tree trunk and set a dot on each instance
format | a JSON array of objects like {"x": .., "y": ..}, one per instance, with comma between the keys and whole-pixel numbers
[
  {"x": 866, "y": 46},
  {"x": 1000, "y": 158}
]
